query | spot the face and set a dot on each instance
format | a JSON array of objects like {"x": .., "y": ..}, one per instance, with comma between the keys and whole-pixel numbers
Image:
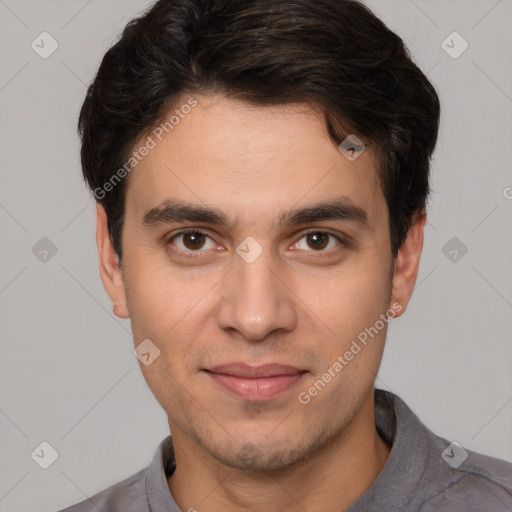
[{"x": 255, "y": 257}]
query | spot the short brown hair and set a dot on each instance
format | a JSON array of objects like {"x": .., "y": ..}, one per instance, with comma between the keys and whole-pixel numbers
[{"x": 335, "y": 54}]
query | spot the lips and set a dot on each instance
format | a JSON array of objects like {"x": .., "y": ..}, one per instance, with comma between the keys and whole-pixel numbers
[{"x": 255, "y": 383}]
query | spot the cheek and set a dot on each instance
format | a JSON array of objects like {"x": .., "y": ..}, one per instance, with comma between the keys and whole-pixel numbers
[
  {"x": 172, "y": 310},
  {"x": 160, "y": 296},
  {"x": 167, "y": 382},
  {"x": 352, "y": 298},
  {"x": 351, "y": 308}
]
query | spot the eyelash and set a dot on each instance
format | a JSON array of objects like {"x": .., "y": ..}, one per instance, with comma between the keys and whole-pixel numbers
[{"x": 194, "y": 254}]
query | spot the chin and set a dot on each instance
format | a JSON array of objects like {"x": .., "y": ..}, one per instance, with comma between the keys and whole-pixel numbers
[
  {"x": 277, "y": 455},
  {"x": 253, "y": 457}
]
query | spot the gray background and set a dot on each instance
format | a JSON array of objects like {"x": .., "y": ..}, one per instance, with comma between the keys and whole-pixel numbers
[{"x": 68, "y": 375}]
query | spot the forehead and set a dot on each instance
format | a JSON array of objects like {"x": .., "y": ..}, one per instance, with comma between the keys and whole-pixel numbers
[{"x": 249, "y": 161}]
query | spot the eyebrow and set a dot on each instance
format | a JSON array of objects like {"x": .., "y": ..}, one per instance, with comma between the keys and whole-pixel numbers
[
  {"x": 341, "y": 209},
  {"x": 176, "y": 211}
]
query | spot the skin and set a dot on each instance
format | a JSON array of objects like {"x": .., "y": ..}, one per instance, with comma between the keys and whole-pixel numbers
[{"x": 296, "y": 304}]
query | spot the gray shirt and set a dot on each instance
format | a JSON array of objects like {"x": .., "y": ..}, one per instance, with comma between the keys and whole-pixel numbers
[{"x": 424, "y": 473}]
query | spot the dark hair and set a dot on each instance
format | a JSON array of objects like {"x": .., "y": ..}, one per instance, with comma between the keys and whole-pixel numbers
[{"x": 333, "y": 54}]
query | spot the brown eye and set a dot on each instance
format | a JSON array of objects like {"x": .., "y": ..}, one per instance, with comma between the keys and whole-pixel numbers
[
  {"x": 317, "y": 241},
  {"x": 193, "y": 240}
]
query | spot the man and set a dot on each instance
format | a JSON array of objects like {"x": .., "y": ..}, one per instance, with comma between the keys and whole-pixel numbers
[{"x": 261, "y": 171}]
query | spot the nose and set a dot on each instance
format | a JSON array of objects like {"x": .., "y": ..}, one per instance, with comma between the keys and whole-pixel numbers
[{"x": 256, "y": 300}]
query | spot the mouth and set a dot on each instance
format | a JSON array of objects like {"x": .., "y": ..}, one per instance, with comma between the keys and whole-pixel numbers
[{"x": 255, "y": 383}]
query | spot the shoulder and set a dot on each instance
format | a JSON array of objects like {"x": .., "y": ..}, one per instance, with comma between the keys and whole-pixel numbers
[
  {"x": 431, "y": 474},
  {"x": 126, "y": 496},
  {"x": 135, "y": 493},
  {"x": 479, "y": 483}
]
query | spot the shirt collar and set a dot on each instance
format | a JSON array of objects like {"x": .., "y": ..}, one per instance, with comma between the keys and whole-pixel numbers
[
  {"x": 157, "y": 489},
  {"x": 409, "y": 461}
]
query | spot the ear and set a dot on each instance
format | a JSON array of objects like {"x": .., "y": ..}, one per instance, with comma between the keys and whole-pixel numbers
[
  {"x": 407, "y": 262},
  {"x": 110, "y": 269}
]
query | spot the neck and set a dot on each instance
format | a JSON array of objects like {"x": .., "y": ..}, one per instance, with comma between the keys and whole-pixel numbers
[{"x": 333, "y": 478}]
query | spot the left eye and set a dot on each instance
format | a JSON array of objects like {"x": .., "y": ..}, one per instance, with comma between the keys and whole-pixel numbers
[
  {"x": 192, "y": 241},
  {"x": 318, "y": 241}
]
